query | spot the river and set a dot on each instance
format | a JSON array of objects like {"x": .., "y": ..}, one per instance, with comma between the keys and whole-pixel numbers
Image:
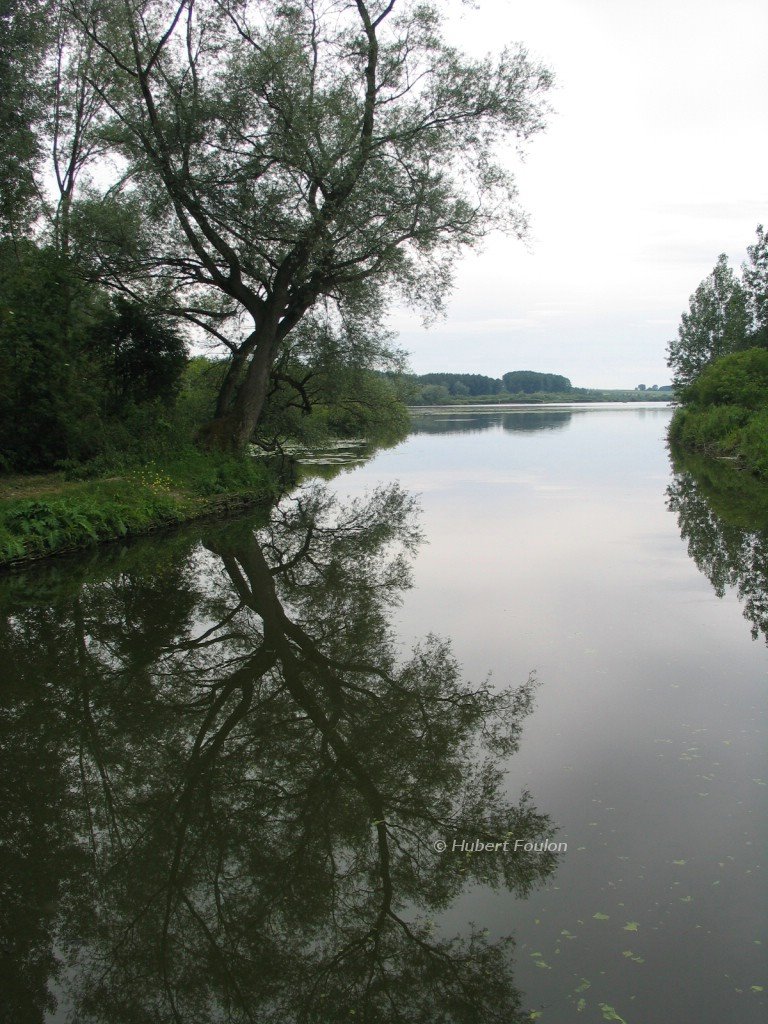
[{"x": 288, "y": 770}]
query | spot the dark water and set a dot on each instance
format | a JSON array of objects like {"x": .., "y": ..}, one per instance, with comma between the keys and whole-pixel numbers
[{"x": 232, "y": 756}]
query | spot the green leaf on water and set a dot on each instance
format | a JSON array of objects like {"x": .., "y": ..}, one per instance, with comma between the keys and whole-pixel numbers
[
  {"x": 609, "y": 1013},
  {"x": 755, "y": 988},
  {"x": 633, "y": 956},
  {"x": 601, "y": 917},
  {"x": 631, "y": 926},
  {"x": 583, "y": 986},
  {"x": 581, "y": 1005},
  {"x": 679, "y": 862}
]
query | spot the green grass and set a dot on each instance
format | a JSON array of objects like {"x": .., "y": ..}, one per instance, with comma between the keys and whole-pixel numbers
[{"x": 43, "y": 515}]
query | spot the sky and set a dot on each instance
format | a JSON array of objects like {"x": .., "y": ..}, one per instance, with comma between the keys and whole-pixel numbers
[{"x": 653, "y": 163}]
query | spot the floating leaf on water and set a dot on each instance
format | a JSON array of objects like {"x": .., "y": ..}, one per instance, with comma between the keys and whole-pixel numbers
[
  {"x": 633, "y": 956},
  {"x": 680, "y": 862},
  {"x": 609, "y": 1013},
  {"x": 600, "y": 917},
  {"x": 581, "y": 1005},
  {"x": 583, "y": 986},
  {"x": 631, "y": 926},
  {"x": 755, "y": 988}
]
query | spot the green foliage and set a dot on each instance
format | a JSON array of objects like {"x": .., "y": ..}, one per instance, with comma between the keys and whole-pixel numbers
[
  {"x": 444, "y": 388},
  {"x": 529, "y": 382},
  {"x": 296, "y": 161},
  {"x": 460, "y": 384},
  {"x": 145, "y": 497},
  {"x": 24, "y": 34},
  {"x": 737, "y": 379},
  {"x": 48, "y": 395},
  {"x": 142, "y": 356},
  {"x": 80, "y": 377},
  {"x": 337, "y": 402},
  {"x": 720, "y": 359},
  {"x": 725, "y": 410},
  {"x": 755, "y": 274},
  {"x": 753, "y": 443},
  {"x": 715, "y": 429},
  {"x": 37, "y": 527},
  {"x": 717, "y": 323}
]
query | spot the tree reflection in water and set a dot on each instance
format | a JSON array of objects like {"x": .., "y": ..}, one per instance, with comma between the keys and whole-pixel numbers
[
  {"x": 722, "y": 513},
  {"x": 225, "y": 784}
]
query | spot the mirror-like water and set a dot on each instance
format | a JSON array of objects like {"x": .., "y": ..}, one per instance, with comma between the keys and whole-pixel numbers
[{"x": 248, "y": 767}]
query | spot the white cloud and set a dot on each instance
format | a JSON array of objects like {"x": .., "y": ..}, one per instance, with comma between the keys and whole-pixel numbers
[{"x": 653, "y": 165}]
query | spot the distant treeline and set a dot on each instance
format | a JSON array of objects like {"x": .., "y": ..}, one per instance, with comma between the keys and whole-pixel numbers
[{"x": 433, "y": 388}]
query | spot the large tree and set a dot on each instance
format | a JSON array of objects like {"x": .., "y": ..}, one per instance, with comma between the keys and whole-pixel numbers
[
  {"x": 716, "y": 323},
  {"x": 24, "y": 39},
  {"x": 282, "y": 159},
  {"x": 755, "y": 274}
]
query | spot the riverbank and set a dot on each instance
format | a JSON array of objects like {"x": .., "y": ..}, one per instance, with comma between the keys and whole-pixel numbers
[
  {"x": 48, "y": 514},
  {"x": 725, "y": 412}
]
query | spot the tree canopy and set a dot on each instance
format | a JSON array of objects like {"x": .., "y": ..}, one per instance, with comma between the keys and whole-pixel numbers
[
  {"x": 529, "y": 382},
  {"x": 275, "y": 161},
  {"x": 726, "y": 313}
]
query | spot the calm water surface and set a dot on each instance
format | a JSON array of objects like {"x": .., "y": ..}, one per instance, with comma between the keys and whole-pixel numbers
[{"x": 233, "y": 755}]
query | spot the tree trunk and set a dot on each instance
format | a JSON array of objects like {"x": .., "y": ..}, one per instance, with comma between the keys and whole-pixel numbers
[
  {"x": 235, "y": 422},
  {"x": 228, "y": 389}
]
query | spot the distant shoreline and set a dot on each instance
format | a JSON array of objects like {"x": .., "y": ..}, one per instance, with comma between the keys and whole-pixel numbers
[
  {"x": 579, "y": 396},
  {"x": 451, "y": 406}
]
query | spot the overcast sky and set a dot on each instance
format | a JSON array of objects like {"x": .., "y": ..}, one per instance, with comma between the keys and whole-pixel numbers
[{"x": 655, "y": 161}]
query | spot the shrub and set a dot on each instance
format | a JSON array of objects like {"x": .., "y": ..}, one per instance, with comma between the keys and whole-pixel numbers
[{"x": 739, "y": 379}]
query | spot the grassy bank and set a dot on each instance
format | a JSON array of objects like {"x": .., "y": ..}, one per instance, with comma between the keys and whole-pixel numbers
[
  {"x": 724, "y": 413},
  {"x": 142, "y": 471},
  {"x": 47, "y": 514}
]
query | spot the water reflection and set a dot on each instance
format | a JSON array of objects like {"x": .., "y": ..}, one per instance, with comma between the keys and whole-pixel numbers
[
  {"x": 476, "y": 421},
  {"x": 224, "y": 785},
  {"x": 723, "y": 514}
]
